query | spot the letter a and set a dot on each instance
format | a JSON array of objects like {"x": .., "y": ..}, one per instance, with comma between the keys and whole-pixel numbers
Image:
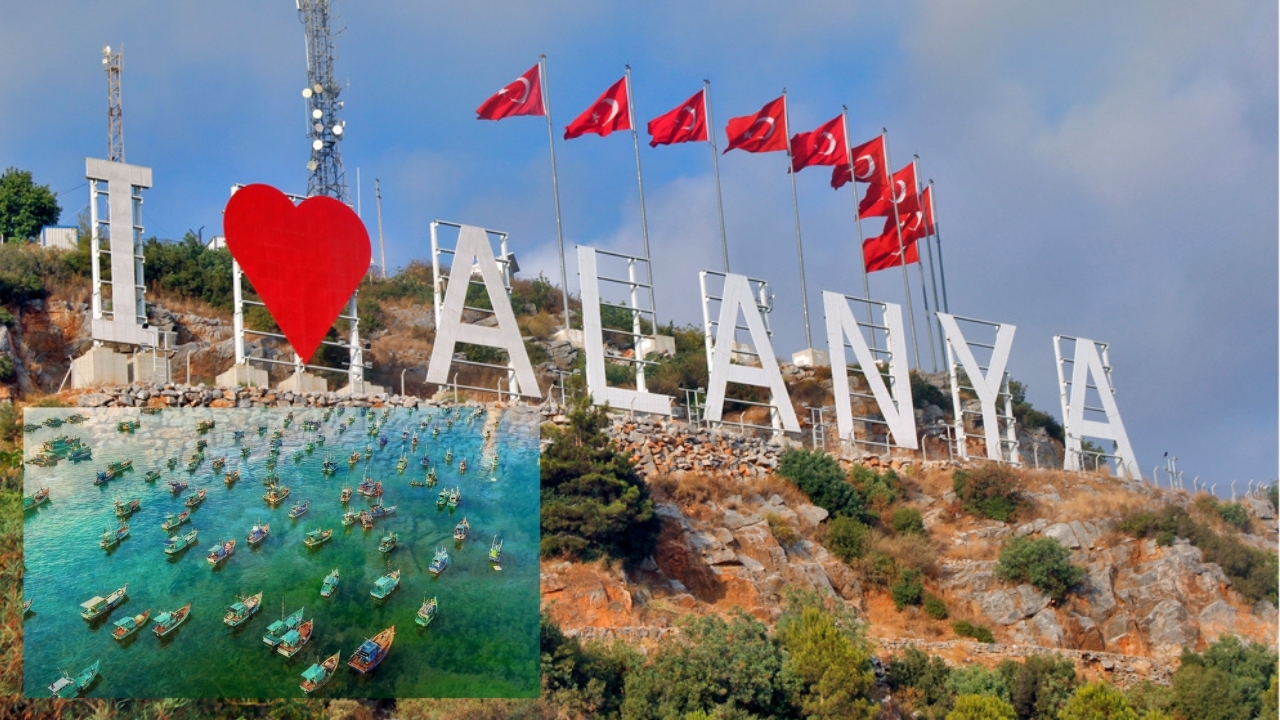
[
  {"x": 895, "y": 406},
  {"x": 737, "y": 297},
  {"x": 473, "y": 245},
  {"x": 1088, "y": 364}
]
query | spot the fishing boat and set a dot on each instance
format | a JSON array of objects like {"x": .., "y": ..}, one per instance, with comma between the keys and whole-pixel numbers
[
  {"x": 173, "y": 463},
  {"x": 171, "y": 522},
  {"x": 427, "y": 612},
  {"x": 425, "y": 462},
  {"x": 388, "y": 543},
  {"x": 221, "y": 552},
  {"x": 297, "y": 456},
  {"x": 124, "y": 510},
  {"x": 112, "y": 538},
  {"x": 201, "y": 444},
  {"x": 49, "y": 460},
  {"x": 435, "y": 431},
  {"x": 272, "y": 478},
  {"x": 231, "y": 478},
  {"x": 443, "y": 498},
  {"x": 320, "y": 440},
  {"x": 97, "y": 606},
  {"x": 77, "y": 419},
  {"x": 128, "y": 426},
  {"x": 495, "y": 550},
  {"x": 244, "y": 451},
  {"x": 242, "y": 609},
  {"x": 368, "y": 452},
  {"x": 461, "y": 529},
  {"x": 369, "y": 488},
  {"x": 431, "y": 477},
  {"x": 462, "y": 466},
  {"x": 278, "y": 628},
  {"x": 448, "y": 456},
  {"x": 314, "y": 677},
  {"x": 380, "y": 510},
  {"x": 330, "y": 584},
  {"x": 455, "y": 497},
  {"x": 350, "y": 517},
  {"x": 404, "y": 434},
  {"x": 177, "y": 486},
  {"x": 194, "y": 499},
  {"x": 293, "y": 640},
  {"x": 80, "y": 454},
  {"x": 219, "y": 463},
  {"x": 275, "y": 494},
  {"x": 26, "y": 606},
  {"x": 413, "y": 444},
  {"x": 177, "y": 544},
  {"x": 402, "y": 463},
  {"x": 311, "y": 446},
  {"x": 417, "y": 483},
  {"x": 366, "y": 520},
  {"x": 204, "y": 426},
  {"x": 440, "y": 562},
  {"x": 152, "y": 410},
  {"x": 288, "y": 419},
  {"x": 371, "y": 652},
  {"x": 353, "y": 458},
  {"x": 299, "y": 509},
  {"x": 237, "y": 435},
  {"x": 329, "y": 467},
  {"x": 262, "y": 430},
  {"x": 196, "y": 460},
  {"x": 385, "y": 585},
  {"x": 65, "y": 687},
  {"x": 382, "y": 441},
  {"x": 346, "y": 495},
  {"x": 153, "y": 475},
  {"x": 126, "y": 627},
  {"x": 30, "y": 428},
  {"x": 258, "y": 533},
  {"x": 30, "y": 502},
  {"x": 167, "y": 622},
  {"x": 317, "y": 537}
]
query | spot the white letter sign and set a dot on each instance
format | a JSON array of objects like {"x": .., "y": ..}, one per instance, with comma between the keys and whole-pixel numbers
[
  {"x": 1087, "y": 364},
  {"x": 898, "y": 412},
  {"x": 987, "y": 386}
]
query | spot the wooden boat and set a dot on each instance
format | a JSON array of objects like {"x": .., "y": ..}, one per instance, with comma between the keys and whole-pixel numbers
[
  {"x": 173, "y": 463},
  {"x": 368, "y": 452},
  {"x": 219, "y": 463},
  {"x": 221, "y": 552},
  {"x": 293, "y": 640},
  {"x": 440, "y": 562},
  {"x": 346, "y": 495},
  {"x": 431, "y": 477},
  {"x": 204, "y": 426},
  {"x": 110, "y": 539},
  {"x": 417, "y": 483},
  {"x": 379, "y": 510},
  {"x": 120, "y": 466},
  {"x": 30, "y": 502},
  {"x": 97, "y": 606},
  {"x": 427, "y": 612},
  {"x": 330, "y": 584},
  {"x": 425, "y": 462},
  {"x": 277, "y": 629},
  {"x": 128, "y": 425},
  {"x": 435, "y": 431},
  {"x": 237, "y": 435},
  {"x": 329, "y": 467},
  {"x": 311, "y": 446},
  {"x": 353, "y": 458},
  {"x": 124, "y": 510},
  {"x": 153, "y": 475},
  {"x": 176, "y": 544},
  {"x": 276, "y": 494},
  {"x": 448, "y": 456},
  {"x": 388, "y": 543},
  {"x": 462, "y": 466},
  {"x": 299, "y": 509},
  {"x": 167, "y": 622},
  {"x": 297, "y": 456},
  {"x": 49, "y": 460},
  {"x": 196, "y": 498},
  {"x": 177, "y": 486},
  {"x": 369, "y": 488},
  {"x": 402, "y": 463},
  {"x": 372, "y": 652},
  {"x": 80, "y": 454},
  {"x": 65, "y": 687},
  {"x": 366, "y": 520},
  {"x": 26, "y": 606},
  {"x": 455, "y": 497},
  {"x": 231, "y": 478},
  {"x": 244, "y": 451},
  {"x": 317, "y": 537},
  {"x": 201, "y": 444},
  {"x": 314, "y": 677},
  {"x": 30, "y": 428},
  {"x": 242, "y": 609},
  {"x": 77, "y": 419},
  {"x": 272, "y": 478},
  {"x": 350, "y": 517},
  {"x": 171, "y": 522},
  {"x": 195, "y": 462},
  {"x": 262, "y": 430},
  {"x": 461, "y": 529},
  {"x": 126, "y": 627},
  {"x": 258, "y": 533},
  {"x": 495, "y": 550},
  {"x": 443, "y": 499}
]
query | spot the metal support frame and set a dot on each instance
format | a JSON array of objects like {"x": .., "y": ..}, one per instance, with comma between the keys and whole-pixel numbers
[
  {"x": 1090, "y": 358},
  {"x": 120, "y": 316},
  {"x": 999, "y": 436}
]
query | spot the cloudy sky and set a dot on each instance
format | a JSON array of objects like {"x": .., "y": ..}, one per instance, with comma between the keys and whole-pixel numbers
[{"x": 1104, "y": 170}]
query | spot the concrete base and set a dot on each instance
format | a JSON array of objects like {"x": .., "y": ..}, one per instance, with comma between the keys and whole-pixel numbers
[
  {"x": 661, "y": 344},
  {"x": 811, "y": 358},
  {"x": 243, "y": 375},
  {"x": 99, "y": 366},
  {"x": 571, "y": 336},
  {"x": 147, "y": 368},
  {"x": 304, "y": 382},
  {"x": 364, "y": 387}
]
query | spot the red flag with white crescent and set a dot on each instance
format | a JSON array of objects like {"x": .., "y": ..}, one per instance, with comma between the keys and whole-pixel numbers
[
  {"x": 765, "y": 131},
  {"x": 823, "y": 146},
  {"x": 611, "y": 111},
  {"x": 869, "y": 165},
  {"x": 884, "y": 251},
  {"x": 879, "y": 201},
  {"x": 523, "y": 96},
  {"x": 686, "y": 123}
]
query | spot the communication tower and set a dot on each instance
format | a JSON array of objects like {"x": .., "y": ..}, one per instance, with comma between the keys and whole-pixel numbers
[
  {"x": 325, "y": 129},
  {"x": 113, "y": 62}
]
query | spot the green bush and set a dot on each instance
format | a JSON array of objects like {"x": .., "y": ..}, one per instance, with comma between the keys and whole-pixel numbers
[
  {"x": 687, "y": 368},
  {"x": 846, "y": 538},
  {"x": 981, "y": 633},
  {"x": 189, "y": 269},
  {"x": 1040, "y": 685},
  {"x": 913, "y": 673},
  {"x": 981, "y": 707},
  {"x": 1097, "y": 701},
  {"x": 991, "y": 491},
  {"x": 924, "y": 392},
  {"x": 934, "y": 607},
  {"x": 977, "y": 680},
  {"x": 782, "y": 532},
  {"x": 1229, "y": 681},
  {"x": 908, "y": 521},
  {"x": 8, "y": 368},
  {"x": 878, "y": 490},
  {"x": 7, "y": 318},
  {"x": 1042, "y": 561},
  {"x": 818, "y": 475},
  {"x": 907, "y": 590},
  {"x": 585, "y": 680},
  {"x": 879, "y": 569},
  {"x": 1030, "y": 418},
  {"x": 830, "y": 658}
]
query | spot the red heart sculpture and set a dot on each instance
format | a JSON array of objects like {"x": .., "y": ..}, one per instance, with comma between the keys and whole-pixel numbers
[{"x": 304, "y": 261}]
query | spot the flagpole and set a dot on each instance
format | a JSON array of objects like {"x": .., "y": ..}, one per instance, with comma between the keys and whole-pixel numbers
[
  {"x": 715, "y": 162},
  {"x": 795, "y": 203},
  {"x": 857, "y": 220},
  {"x": 555, "y": 188},
  {"x": 933, "y": 274},
  {"x": 924, "y": 287},
  {"x": 902, "y": 252},
  {"x": 937, "y": 236},
  {"x": 644, "y": 233}
]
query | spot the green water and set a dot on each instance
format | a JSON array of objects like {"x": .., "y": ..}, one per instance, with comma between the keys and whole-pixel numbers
[{"x": 483, "y": 642}]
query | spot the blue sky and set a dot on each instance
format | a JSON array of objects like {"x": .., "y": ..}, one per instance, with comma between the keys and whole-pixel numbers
[{"x": 1107, "y": 170}]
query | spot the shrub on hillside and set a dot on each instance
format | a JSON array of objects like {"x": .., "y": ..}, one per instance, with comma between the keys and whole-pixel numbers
[
  {"x": 908, "y": 521},
  {"x": 1229, "y": 681},
  {"x": 687, "y": 368},
  {"x": 981, "y": 633},
  {"x": 188, "y": 268},
  {"x": 782, "y": 532},
  {"x": 981, "y": 707},
  {"x": 1042, "y": 561},
  {"x": 977, "y": 680},
  {"x": 1030, "y": 418},
  {"x": 829, "y": 657},
  {"x": 878, "y": 490},
  {"x": 846, "y": 538},
  {"x": 819, "y": 476},
  {"x": 934, "y": 607},
  {"x": 585, "y": 680},
  {"x": 922, "y": 680},
  {"x": 1040, "y": 685},
  {"x": 907, "y": 590},
  {"x": 1097, "y": 701},
  {"x": 990, "y": 491}
]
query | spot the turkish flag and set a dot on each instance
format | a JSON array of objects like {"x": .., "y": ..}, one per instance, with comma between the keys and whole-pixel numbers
[
  {"x": 687, "y": 123},
  {"x": 878, "y": 202},
  {"x": 926, "y": 207},
  {"x": 765, "y": 131},
  {"x": 869, "y": 165},
  {"x": 612, "y": 111},
  {"x": 841, "y": 175},
  {"x": 883, "y": 251},
  {"x": 823, "y": 146},
  {"x": 522, "y": 97}
]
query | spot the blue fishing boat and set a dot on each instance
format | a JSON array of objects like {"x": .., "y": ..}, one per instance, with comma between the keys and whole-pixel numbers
[
  {"x": 330, "y": 584},
  {"x": 167, "y": 622},
  {"x": 171, "y": 522},
  {"x": 242, "y": 609},
  {"x": 314, "y": 677},
  {"x": 112, "y": 538},
  {"x": 277, "y": 629},
  {"x": 299, "y": 509},
  {"x": 385, "y": 585},
  {"x": 97, "y": 606},
  {"x": 221, "y": 552},
  {"x": 427, "y": 612},
  {"x": 372, "y": 652},
  {"x": 258, "y": 533},
  {"x": 177, "y": 544},
  {"x": 126, "y": 627},
  {"x": 388, "y": 542},
  {"x": 317, "y": 537},
  {"x": 66, "y": 687},
  {"x": 440, "y": 562},
  {"x": 292, "y": 641}
]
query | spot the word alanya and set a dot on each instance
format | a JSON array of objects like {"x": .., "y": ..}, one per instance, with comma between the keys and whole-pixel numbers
[{"x": 893, "y": 399}]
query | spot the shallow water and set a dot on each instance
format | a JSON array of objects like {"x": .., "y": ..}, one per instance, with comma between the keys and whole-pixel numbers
[{"x": 483, "y": 642}]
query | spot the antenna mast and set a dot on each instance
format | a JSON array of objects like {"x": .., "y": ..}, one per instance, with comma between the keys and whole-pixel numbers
[
  {"x": 113, "y": 63},
  {"x": 325, "y": 129}
]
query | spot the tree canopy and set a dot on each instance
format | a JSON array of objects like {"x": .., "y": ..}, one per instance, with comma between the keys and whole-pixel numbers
[{"x": 24, "y": 206}]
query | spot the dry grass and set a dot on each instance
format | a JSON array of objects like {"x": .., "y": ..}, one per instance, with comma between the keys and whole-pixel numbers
[
  {"x": 974, "y": 549},
  {"x": 180, "y": 304},
  {"x": 907, "y": 551},
  {"x": 770, "y": 485},
  {"x": 540, "y": 326}
]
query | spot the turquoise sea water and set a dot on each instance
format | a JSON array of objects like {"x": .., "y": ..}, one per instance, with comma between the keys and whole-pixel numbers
[{"x": 483, "y": 642}]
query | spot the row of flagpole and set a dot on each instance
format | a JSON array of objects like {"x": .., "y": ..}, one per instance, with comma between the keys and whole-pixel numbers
[{"x": 758, "y": 133}]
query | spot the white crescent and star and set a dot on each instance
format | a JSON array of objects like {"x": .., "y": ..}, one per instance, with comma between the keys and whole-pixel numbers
[
  {"x": 751, "y": 131},
  {"x": 527, "y": 87},
  {"x": 613, "y": 111},
  {"x": 902, "y": 194},
  {"x": 693, "y": 116},
  {"x": 831, "y": 146},
  {"x": 871, "y": 167}
]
